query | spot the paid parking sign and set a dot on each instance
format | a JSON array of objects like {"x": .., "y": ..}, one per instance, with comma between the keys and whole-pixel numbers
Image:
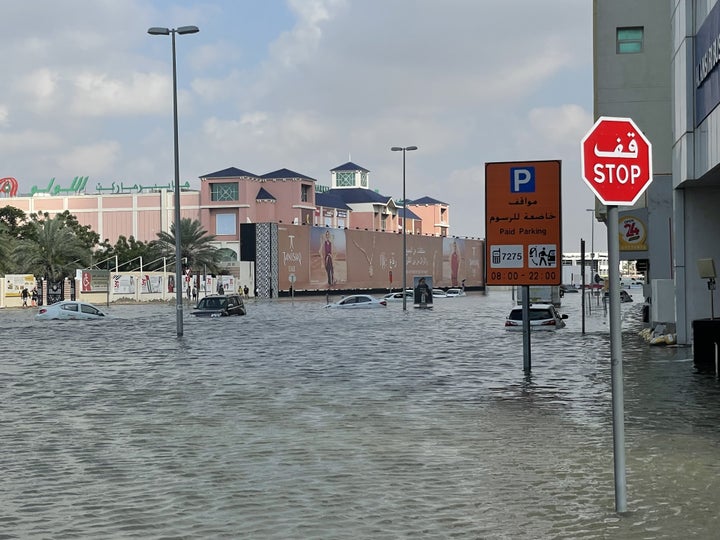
[{"x": 523, "y": 223}]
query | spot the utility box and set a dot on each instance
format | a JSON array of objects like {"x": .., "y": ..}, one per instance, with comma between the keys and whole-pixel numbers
[
  {"x": 706, "y": 344},
  {"x": 662, "y": 307}
]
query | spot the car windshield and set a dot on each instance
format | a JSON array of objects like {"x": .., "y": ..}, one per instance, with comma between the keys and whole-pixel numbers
[
  {"x": 535, "y": 314},
  {"x": 211, "y": 303}
]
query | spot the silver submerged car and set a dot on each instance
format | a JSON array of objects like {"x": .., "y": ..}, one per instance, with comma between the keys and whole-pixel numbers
[
  {"x": 358, "y": 301},
  {"x": 68, "y": 310},
  {"x": 542, "y": 317}
]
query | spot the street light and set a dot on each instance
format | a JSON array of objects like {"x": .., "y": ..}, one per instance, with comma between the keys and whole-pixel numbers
[
  {"x": 159, "y": 31},
  {"x": 404, "y": 232}
]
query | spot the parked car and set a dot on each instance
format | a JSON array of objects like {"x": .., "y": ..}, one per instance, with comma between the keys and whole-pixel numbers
[
  {"x": 398, "y": 296},
  {"x": 359, "y": 301},
  {"x": 439, "y": 293},
  {"x": 217, "y": 305},
  {"x": 542, "y": 317},
  {"x": 69, "y": 309}
]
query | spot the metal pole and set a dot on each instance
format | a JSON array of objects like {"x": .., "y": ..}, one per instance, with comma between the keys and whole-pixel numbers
[
  {"x": 178, "y": 255},
  {"x": 527, "y": 360},
  {"x": 582, "y": 283},
  {"x": 404, "y": 236},
  {"x": 618, "y": 406}
]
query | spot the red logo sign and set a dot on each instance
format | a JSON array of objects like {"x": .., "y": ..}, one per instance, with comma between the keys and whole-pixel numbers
[{"x": 616, "y": 161}]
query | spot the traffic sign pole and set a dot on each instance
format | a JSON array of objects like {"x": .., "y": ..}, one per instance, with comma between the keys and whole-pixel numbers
[
  {"x": 616, "y": 360},
  {"x": 616, "y": 163}
]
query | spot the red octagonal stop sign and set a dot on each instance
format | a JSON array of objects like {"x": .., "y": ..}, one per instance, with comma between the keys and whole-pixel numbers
[{"x": 616, "y": 161}]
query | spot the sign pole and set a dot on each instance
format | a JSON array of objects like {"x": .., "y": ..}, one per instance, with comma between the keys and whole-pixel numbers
[
  {"x": 618, "y": 406},
  {"x": 527, "y": 360}
]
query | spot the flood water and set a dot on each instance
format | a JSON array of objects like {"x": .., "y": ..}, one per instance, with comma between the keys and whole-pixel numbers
[{"x": 297, "y": 421}]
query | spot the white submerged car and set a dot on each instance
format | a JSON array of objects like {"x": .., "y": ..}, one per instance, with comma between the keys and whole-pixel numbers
[
  {"x": 454, "y": 293},
  {"x": 398, "y": 296},
  {"x": 68, "y": 310},
  {"x": 542, "y": 317},
  {"x": 358, "y": 301}
]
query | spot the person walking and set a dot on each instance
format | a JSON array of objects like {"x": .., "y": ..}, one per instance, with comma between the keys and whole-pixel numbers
[
  {"x": 24, "y": 294},
  {"x": 34, "y": 297}
]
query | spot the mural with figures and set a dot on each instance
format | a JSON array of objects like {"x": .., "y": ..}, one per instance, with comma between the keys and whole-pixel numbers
[{"x": 321, "y": 258}]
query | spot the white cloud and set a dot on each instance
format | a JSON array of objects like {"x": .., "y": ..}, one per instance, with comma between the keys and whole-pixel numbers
[
  {"x": 96, "y": 94},
  {"x": 93, "y": 159}
]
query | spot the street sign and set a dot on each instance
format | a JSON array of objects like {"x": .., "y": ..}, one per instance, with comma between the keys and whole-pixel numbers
[
  {"x": 292, "y": 278},
  {"x": 616, "y": 161},
  {"x": 523, "y": 223}
]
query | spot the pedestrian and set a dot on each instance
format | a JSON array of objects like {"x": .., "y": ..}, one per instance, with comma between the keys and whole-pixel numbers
[
  {"x": 34, "y": 296},
  {"x": 24, "y": 295},
  {"x": 194, "y": 293},
  {"x": 220, "y": 289},
  {"x": 246, "y": 291},
  {"x": 189, "y": 291}
]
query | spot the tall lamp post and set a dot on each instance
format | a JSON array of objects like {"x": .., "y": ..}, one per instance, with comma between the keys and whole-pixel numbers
[
  {"x": 404, "y": 231},
  {"x": 158, "y": 31}
]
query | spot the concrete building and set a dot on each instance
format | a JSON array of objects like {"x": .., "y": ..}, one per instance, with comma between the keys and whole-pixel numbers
[{"x": 658, "y": 63}]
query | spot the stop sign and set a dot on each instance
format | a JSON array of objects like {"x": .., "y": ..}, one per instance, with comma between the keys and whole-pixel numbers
[{"x": 616, "y": 161}]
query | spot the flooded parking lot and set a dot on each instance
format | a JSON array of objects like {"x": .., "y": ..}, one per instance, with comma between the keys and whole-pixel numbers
[{"x": 296, "y": 421}]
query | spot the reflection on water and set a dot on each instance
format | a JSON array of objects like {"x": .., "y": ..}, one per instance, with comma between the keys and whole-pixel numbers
[{"x": 301, "y": 422}]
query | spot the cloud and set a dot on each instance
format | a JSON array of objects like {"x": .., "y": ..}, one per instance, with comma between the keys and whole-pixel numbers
[
  {"x": 97, "y": 94},
  {"x": 93, "y": 159}
]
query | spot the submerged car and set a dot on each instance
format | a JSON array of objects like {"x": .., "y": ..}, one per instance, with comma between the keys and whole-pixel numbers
[
  {"x": 220, "y": 305},
  {"x": 542, "y": 317},
  {"x": 359, "y": 301},
  {"x": 453, "y": 293},
  {"x": 69, "y": 309},
  {"x": 398, "y": 296}
]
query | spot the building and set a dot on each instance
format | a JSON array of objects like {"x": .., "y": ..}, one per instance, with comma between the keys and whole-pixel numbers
[{"x": 657, "y": 62}]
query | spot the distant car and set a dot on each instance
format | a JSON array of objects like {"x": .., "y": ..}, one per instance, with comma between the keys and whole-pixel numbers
[
  {"x": 624, "y": 296},
  {"x": 220, "y": 305},
  {"x": 69, "y": 309},
  {"x": 398, "y": 296},
  {"x": 439, "y": 293},
  {"x": 542, "y": 317},
  {"x": 452, "y": 293},
  {"x": 359, "y": 301}
]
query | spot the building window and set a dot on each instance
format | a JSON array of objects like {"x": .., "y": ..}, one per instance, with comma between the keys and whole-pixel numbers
[
  {"x": 630, "y": 40},
  {"x": 345, "y": 179},
  {"x": 363, "y": 179},
  {"x": 304, "y": 192},
  {"x": 225, "y": 224},
  {"x": 224, "y": 191}
]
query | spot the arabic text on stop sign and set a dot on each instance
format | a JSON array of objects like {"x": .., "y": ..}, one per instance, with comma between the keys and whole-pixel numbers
[{"x": 622, "y": 174}]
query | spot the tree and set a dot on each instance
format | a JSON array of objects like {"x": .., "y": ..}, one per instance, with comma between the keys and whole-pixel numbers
[
  {"x": 15, "y": 221},
  {"x": 53, "y": 251},
  {"x": 195, "y": 245},
  {"x": 128, "y": 250}
]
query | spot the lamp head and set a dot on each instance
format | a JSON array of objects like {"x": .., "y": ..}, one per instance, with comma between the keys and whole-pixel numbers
[{"x": 159, "y": 31}]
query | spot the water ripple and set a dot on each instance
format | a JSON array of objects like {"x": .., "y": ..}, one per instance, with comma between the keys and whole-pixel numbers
[{"x": 301, "y": 422}]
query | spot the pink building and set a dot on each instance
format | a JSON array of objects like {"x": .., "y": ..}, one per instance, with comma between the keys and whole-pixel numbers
[{"x": 231, "y": 197}]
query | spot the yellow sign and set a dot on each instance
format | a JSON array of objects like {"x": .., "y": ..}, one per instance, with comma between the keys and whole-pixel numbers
[{"x": 633, "y": 234}]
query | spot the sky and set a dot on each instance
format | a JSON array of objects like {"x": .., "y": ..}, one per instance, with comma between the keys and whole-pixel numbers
[{"x": 305, "y": 85}]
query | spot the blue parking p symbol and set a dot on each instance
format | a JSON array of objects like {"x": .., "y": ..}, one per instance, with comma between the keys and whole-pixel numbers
[{"x": 522, "y": 179}]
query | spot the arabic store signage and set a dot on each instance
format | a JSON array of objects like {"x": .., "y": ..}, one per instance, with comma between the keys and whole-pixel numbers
[
  {"x": 523, "y": 223},
  {"x": 9, "y": 187}
]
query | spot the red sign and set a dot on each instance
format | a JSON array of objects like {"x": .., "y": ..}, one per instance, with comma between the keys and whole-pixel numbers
[{"x": 616, "y": 161}]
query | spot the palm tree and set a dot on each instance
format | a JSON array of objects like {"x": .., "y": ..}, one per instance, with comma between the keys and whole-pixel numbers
[
  {"x": 195, "y": 245},
  {"x": 54, "y": 251}
]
